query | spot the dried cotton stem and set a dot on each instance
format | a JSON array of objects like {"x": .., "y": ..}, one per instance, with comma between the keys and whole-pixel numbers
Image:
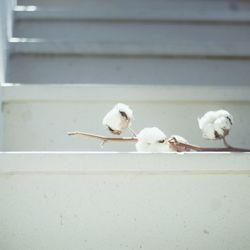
[
  {"x": 103, "y": 138},
  {"x": 180, "y": 147}
]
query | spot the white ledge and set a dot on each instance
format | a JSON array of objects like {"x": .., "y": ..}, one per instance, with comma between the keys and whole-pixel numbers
[
  {"x": 139, "y": 93},
  {"x": 122, "y": 163}
]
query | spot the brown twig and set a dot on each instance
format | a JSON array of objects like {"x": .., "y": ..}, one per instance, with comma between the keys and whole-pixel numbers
[
  {"x": 104, "y": 138},
  {"x": 226, "y": 143},
  {"x": 189, "y": 147},
  {"x": 178, "y": 146}
]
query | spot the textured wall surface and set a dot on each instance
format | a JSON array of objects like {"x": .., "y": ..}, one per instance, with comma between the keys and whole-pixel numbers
[
  {"x": 171, "y": 61},
  {"x": 38, "y": 117},
  {"x": 124, "y": 201}
]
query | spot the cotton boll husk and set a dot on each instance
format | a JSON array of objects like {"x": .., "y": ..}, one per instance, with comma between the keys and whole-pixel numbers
[
  {"x": 215, "y": 124},
  {"x": 152, "y": 140},
  {"x": 222, "y": 126},
  {"x": 126, "y": 109},
  {"x": 118, "y": 118},
  {"x": 179, "y": 139}
]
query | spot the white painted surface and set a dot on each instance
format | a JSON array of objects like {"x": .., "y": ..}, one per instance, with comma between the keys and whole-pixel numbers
[
  {"x": 57, "y": 201},
  {"x": 37, "y": 118},
  {"x": 76, "y": 200},
  {"x": 117, "y": 163},
  {"x": 140, "y": 93}
]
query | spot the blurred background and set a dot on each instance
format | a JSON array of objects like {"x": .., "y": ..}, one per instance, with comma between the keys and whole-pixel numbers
[
  {"x": 201, "y": 48},
  {"x": 63, "y": 65},
  {"x": 131, "y": 42}
]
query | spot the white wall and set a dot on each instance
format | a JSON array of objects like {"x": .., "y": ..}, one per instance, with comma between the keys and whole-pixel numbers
[
  {"x": 37, "y": 117},
  {"x": 58, "y": 201}
]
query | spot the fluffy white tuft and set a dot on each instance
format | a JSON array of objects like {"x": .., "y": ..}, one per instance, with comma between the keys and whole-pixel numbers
[
  {"x": 215, "y": 124},
  {"x": 118, "y": 118},
  {"x": 179, "y": 139},
  {"x": 152, "y": 140}
]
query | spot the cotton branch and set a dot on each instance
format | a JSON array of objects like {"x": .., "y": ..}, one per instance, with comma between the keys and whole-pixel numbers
[
  {"x": 182, "y": 147},
  {"x": 178, "y": 146},
  {"x": 104, "y": 139}
]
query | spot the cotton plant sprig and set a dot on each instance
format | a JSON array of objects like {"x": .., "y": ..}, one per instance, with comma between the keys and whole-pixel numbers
[
  {"x": 118, "y": 119},
  {"x": 154, "y": 140},
  {"x": 215, "y": 125}
]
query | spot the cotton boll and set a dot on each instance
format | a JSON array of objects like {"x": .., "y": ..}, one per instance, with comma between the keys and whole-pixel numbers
[
  {"x": 118, "y": 118},
  {"x": 216, "y": 124},
  {"x": 222, "y": 126},
  {"x": 208, "y": 118},
  {"x": 208, "y": 132},
  {"x": 152, "y": 140},
  {"x": 178, "y": 139}
]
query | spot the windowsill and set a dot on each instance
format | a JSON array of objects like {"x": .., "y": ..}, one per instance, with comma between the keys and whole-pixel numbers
[{"x": 122, "y": 163}]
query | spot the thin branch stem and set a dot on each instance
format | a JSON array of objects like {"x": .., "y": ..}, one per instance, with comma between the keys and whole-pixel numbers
[
  {"x": 178, "y": 146},
  {"x": 132, "y": 132},
  {"x": 188, "y": 147},
  {"x": 226, "y": 143},
  {"x": 103, "y": 138}
]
